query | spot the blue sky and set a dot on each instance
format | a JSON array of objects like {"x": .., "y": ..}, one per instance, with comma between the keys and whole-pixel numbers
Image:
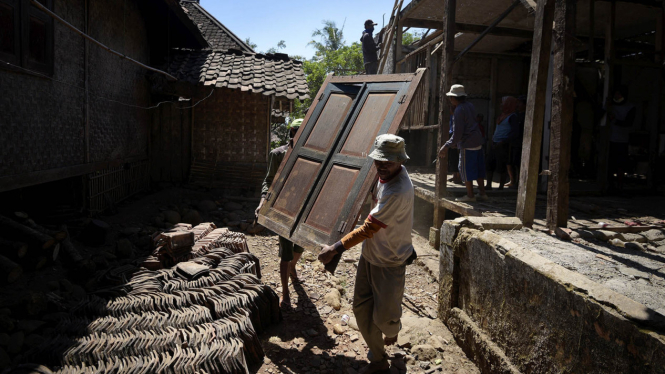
[{"x": 268, "y": 22}]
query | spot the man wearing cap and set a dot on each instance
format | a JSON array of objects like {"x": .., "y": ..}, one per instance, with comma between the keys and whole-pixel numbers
[
  {"x": 466, "y": 136},
  {"x": 370, "y": 48},
  {"x": 387, "y": 249},
  {"x": 289, "y": 252}
]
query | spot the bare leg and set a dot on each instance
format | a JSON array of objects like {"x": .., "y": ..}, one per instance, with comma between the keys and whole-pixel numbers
[
  {"x": 293, "y": 263},
  {"x": 469, "y": 188},
  {"x": 490, "y": 176},
  {"x": 481, "y": 186},
  {"x": 284, "y": 268},
  {"x": 511, "y": 174}
]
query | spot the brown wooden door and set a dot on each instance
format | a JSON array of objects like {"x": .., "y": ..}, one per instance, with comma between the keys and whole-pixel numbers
[{"x": 321, "y": 186}]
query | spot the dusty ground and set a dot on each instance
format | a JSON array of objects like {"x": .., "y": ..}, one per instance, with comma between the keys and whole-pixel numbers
[
  {"x": 305, "y": 341},
  {"x": 639, "y": 275}
]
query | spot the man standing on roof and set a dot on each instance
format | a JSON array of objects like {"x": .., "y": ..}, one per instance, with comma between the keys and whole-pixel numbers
[
  {"x": 288, "y": 252},
  {"x": 387, "y": 249},
  {"x": 370, "y": 48}
]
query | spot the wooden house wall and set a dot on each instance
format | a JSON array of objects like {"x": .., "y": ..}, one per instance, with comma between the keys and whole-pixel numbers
[
  {"x": 43, "y": 121},
  {"x": 171, "y": 143},
  {"x": 231, "y": 138},
  {"x": 474, "y": 72}
]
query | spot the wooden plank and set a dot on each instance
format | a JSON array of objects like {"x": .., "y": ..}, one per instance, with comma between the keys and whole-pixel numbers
[
  {"x": 450, "y": 7},
  {"x": 653, "y": 119},
  {"x": 561, "y": 130},
  {"x": 469, "y": 28},
  {"x": 608, "y": 92},
  {"x": 535, "y": 112},
  {"x": 456, "y": 207}
]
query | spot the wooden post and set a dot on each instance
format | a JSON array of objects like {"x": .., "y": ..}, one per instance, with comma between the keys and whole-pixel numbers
[
  {"x": 561, "y": 129},
  {"x": 431, "y": 86},
  {"x": 398, "y": 45},
  {"x": 535, "y": 112},
  {"x": 592, "y": 27},
  {"x": 608, "y": 92},
  {"x": 447, "y": 57}
]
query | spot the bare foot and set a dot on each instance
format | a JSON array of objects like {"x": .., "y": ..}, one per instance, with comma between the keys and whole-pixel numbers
[
  {"x": 390, "y": 341},
  {"x": 284, "y": 302},
  {"x": 375, "y": 367}
]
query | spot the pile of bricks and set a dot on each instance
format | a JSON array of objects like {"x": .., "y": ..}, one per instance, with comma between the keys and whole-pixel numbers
[
  {"x": 199, "y": 316},
  {"x": 184, "y": 242}
]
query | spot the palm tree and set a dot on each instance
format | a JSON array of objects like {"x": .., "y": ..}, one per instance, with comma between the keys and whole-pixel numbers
[{"x": 331, "y": 38}]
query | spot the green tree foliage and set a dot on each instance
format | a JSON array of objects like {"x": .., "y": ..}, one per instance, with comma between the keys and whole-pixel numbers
[
  {"x": 410, "y": 38},
  {"x": 251, "y": 44}
]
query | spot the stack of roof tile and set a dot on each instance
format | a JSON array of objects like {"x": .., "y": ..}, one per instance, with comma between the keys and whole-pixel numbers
[{"x": 202, "y": 317}]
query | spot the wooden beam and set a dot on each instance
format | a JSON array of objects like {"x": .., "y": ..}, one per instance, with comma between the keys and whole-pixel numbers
[
  {"x": 488, "y": 29},
  {"x": 653, "y": 117},
  {"x": 561, "y": 130},
  {"x": 608, "y": 91},
  {"x": 469, "y": 28},
  {"x": 398, "y": 44},
  {"x": 496, "y": 31},
  {"x": 446, "y": 81},
  {"x": 535, "y": 112}
]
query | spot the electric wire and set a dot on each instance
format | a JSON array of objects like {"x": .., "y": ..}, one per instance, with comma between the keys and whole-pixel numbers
[{"x": 103, "y": 97}]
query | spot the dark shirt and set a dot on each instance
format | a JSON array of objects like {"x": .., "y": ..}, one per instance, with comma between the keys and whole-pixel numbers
[
  {"x": 465, "y": 132},
  {"x": 518, "y": 130},
  {"x": 276, "y": 157},
  {"x": 369, "y": 48}
]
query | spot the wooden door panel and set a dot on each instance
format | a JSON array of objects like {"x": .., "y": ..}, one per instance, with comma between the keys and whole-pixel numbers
[
  {"x": 367, "y": 125},
  {"x": 320, "y": 188},
  {"x": 336, "y": 188},
  {"x": 330, "y": 121},
  {"x": 291, "y": 198}
]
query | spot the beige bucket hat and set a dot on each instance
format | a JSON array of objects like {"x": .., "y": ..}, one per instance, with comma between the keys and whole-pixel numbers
[
  {"x": 389, "y": 147},
  {"x": 456, "y": 90}
]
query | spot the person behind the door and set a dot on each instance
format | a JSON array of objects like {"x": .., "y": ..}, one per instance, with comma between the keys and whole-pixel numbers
[
  {"x": 507, "y": 126},
  {"x": 370, "y": 48},
  {"x": 387, "y": 249},
  {"x": 466, "y": 137},
  {"x": 288, "y": 252},
  {"x": 621, "y": 116}
]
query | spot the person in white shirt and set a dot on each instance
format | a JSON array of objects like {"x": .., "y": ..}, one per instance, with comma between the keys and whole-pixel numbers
[{"x": 387, "y": 249}]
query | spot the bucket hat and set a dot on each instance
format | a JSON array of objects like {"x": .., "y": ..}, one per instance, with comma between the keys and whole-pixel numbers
[
  {"x": 389, "y": 147},
  {"x": 456, "y": 90}
]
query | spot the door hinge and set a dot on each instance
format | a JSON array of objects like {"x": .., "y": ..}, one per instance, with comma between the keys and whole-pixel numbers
[
  {"x": 342, "y": 226},
  {"x": 268, "y": 196},
  {"x": 402, "y": 99}
]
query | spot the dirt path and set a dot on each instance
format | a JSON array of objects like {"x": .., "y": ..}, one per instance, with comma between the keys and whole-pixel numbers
[{"x": 305, "y": 341}]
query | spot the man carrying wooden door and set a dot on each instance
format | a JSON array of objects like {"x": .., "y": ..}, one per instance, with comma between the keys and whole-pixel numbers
[
  {"x": 387, "y": 249},
  {"x": 288, "y": 252}
]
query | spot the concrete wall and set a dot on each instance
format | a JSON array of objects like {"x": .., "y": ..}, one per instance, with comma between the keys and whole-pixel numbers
[
  {"x": 43, "y": 120},
  {"x": 545, "y": 318}
]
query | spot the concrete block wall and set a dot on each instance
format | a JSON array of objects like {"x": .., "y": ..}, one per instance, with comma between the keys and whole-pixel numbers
[{"x": 532, "y": 315}]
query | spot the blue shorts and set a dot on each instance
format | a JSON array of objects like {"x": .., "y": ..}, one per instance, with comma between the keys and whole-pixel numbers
[{"x": 471, "y": 164}]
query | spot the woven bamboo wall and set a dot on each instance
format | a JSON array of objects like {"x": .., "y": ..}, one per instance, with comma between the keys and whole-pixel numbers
[
  {"x": 171, "y": 143},
  {"x": 42, "y": 120},
  {"x": 230, "y": 134}
]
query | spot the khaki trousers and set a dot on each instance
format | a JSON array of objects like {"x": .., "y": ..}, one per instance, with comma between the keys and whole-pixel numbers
[{"x": 377, "y": 304}]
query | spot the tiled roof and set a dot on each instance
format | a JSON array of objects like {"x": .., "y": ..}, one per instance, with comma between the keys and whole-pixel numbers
[
  {"x": 270, "y": 74},
  {"x": 214, "y": 32}
]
